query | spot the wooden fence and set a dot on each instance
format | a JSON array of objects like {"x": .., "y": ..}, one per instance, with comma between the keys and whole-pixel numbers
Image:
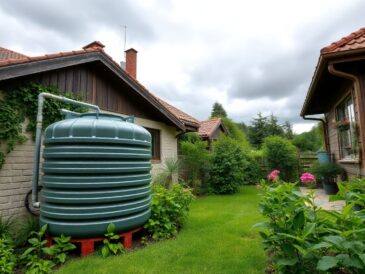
[{"x": 307, "y": 160}]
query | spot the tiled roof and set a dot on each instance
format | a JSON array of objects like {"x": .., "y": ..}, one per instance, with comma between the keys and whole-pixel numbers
[
  {"x": 186, "y": 118},
  {"x": 208, "y": 127},
  {"x": 6, "y": 54},
  {"x": 355, "y": 40},
  {"x": 98, "y": 47},
  {"x": 45, "y": 57}
]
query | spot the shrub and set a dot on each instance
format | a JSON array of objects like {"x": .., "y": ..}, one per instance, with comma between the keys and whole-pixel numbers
[
  {"x": 236, "y": 133},
  {"x": 39, "y": 258},
  {"x": 195, "y": 164},
  {"x": 327, "y": 172},
  {"x": 6, "y": 226},
  {"x": 169, "y": 210},
  {"x": 25, "y": 229},
  {"x": 281, "y": 154},
  {"x": 168, "y": 173},
  {"x": 33, "y": 257},
  {"x": 301, "y": 238},
  {"x": 7, "y": 255},
  {"x": 227, "y": 170},
  {"x": 191, "y": 137},
  {"x": 252, "y": 173}
]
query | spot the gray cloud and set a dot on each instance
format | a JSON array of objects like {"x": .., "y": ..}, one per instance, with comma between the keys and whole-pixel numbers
[
  {"x": 77, "y": 20},
  {"x": 241, "y": 68}
]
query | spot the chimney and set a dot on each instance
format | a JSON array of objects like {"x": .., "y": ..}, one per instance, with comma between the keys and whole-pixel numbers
[
  {"x": 94, "y": 45},
  {"x": 131, "y": 62}
]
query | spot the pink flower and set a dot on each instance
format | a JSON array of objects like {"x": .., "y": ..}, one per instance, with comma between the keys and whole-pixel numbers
[
  {"x": 273, "y": 176},
  {"x": 307, "y": 178}
]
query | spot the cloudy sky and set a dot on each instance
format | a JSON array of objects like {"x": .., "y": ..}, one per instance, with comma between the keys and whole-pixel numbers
[{"x": 251, "y": 56}]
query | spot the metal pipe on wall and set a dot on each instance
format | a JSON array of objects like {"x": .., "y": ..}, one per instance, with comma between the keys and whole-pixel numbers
[
  {"x": 325, "y": 130},
  {"x": 38, "y": 136}
]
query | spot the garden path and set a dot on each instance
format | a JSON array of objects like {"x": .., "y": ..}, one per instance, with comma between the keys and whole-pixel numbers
[{"x": 321, "y": 199}]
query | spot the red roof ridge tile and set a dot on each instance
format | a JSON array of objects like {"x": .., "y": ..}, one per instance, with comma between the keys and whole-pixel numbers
[{"x": 335, "y": 46}]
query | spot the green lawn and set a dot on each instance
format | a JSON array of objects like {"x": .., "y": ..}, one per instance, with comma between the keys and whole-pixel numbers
[{"x": 217, "y": 238}]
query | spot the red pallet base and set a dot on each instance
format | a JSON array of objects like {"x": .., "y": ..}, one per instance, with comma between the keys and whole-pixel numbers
[{"x": 87, "y": 245}]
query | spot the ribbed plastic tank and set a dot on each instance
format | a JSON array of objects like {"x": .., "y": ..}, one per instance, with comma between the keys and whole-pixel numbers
[{"x": 96, "y": 171}]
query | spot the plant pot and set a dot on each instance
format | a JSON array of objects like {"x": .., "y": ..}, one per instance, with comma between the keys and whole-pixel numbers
[{"x": 330, "y": 188}]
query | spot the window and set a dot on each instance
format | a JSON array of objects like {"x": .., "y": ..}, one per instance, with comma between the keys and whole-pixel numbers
[
  {"x": 347, "y": 130},
  {"x": 156, "y": 144}
]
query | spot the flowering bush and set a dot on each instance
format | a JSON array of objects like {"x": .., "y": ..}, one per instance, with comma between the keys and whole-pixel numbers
[
  {"x": 273, "y": 176},
  {"x": 307, "y": 178},
  {"x": 302, "y": 238}
]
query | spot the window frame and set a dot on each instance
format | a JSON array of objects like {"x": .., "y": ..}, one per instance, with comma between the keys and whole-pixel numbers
[
  {"x": 342, "y": 109},
  {"x": 155, "y": 144}
]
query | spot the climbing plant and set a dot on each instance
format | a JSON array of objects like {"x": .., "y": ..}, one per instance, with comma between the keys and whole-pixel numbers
[{"x": 19, "y": 105}]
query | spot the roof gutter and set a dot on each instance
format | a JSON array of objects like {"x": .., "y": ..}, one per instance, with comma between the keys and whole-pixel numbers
[
  {"x": 325, "y": 129},
  {"x": 358, "y": 97},
  {"x": 321, "y": 65}
]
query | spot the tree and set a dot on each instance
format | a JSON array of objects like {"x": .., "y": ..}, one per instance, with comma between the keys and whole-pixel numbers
[
  {"x": 288, "y": 130},
  {"x": 242, "y": 126},
  {"x": 263, "y": 126},
  {"x": 236, "y": 133},
  {"x": 218, "y": 110},
  {"x": 273, "y": 128},
  {"x": 308, "y": 141},
  {"x": 258, "y": 130}
]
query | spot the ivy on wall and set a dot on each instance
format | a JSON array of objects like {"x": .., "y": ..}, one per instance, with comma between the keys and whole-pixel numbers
[{"x": 21, "y": 104}]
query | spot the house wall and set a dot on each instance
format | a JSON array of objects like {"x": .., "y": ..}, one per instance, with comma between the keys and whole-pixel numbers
[
  {"x": 352, "y": 168},
  {"x": 168, "y": 142},
  {"x": 216, "y": 134}
]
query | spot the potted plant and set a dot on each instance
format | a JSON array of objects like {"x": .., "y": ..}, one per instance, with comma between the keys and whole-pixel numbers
[
  {"x": 327, "y": 174},
  {"x": 342, "y": 124}
]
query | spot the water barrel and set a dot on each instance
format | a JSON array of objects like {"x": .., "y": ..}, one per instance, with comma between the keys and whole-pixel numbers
[
  {"x": 96, "y": 171},
  {"x": 324, "y": 157}
]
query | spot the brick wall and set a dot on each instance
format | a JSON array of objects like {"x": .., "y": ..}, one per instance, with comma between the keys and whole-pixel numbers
[{"x": 15, "y": 179}]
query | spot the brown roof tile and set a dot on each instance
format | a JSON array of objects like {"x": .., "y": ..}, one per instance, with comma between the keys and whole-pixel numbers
[
  {"x": 184, "y": 117},
  {"x": 355, "y": 40},
  {"x": 208, "y": 127},
  {"x": 26, "y": 59},
  {"x": 6, "y": 54}
]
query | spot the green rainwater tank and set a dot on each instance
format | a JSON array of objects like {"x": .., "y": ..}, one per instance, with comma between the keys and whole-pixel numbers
[{"x": 96, "y": 171}]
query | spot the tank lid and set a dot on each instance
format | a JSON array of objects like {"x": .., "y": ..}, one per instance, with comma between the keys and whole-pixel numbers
[{"x": 72, "y": 115}]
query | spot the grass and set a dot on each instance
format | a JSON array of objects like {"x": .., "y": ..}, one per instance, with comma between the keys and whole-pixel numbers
[{"x": 217, "y": 238}]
